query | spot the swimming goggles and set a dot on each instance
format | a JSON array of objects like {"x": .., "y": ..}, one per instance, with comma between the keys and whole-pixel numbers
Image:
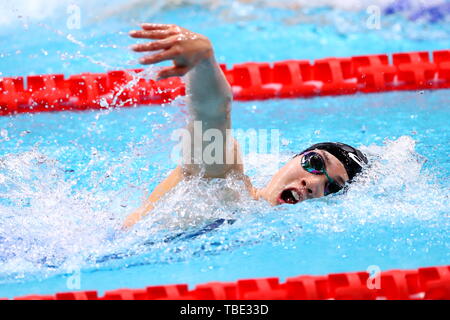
[{"x": 314, "y": 163}]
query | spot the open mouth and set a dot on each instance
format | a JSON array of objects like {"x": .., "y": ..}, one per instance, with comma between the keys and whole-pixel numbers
[{"x": 291, "y": 196}]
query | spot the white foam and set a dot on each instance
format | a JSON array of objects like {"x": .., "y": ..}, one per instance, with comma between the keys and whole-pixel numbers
[{"x": 49, "y": 227}]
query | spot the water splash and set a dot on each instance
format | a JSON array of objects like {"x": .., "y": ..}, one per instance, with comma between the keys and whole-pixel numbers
[{"x": 47, "y": 225}]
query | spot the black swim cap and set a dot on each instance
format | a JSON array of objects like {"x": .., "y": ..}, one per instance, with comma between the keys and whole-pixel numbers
[{"x": 352, "y": 159}]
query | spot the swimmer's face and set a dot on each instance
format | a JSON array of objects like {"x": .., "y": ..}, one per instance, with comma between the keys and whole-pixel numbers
[{"x": 293, "y": 184}]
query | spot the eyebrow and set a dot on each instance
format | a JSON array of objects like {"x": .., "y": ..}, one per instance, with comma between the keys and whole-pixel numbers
[{"x": 327, "y": 163}]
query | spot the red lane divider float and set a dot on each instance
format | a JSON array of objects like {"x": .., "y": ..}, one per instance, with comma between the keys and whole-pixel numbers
[
  {"x": 424, "y": 283},
  {"x": 249, "y": 81}
]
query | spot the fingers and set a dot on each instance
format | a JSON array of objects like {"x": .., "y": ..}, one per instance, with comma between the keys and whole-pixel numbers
[
  {"x": 156, "y": 26},
  {"x": 165, "y": 33},
  {"x": 153, "y": 34},
  {"x": 172, "y": 72},
  {"x": 153, "y": 46},
  {"x": 160, "y": 56}
]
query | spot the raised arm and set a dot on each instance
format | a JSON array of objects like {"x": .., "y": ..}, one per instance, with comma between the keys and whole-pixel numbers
[
  {"x": 209, "y": 101},
  {"x": 208, "y": 92}
]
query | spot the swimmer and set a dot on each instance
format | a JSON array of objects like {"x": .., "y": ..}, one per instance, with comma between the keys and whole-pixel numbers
[{"x": 320, "y": 170}]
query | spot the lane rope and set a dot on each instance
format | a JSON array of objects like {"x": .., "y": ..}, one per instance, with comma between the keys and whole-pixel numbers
[
  {"x": 430, "y": 283},
  {"x": 249, "y": 81}
]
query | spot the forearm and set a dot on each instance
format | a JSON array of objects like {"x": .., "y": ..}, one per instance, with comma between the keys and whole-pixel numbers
[
  {"x": 165, "y": 186},
  {"x": 209, "y": 93}
]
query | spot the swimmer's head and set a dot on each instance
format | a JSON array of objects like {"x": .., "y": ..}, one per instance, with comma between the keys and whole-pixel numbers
[{"x": 320, "y": 170}]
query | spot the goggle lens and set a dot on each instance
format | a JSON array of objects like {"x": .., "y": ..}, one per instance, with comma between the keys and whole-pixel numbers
[{"x": 315, "y": 164}]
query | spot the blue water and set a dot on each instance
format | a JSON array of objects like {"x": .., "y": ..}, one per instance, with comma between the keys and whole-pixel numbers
[
  {"x": 240, "y": 32},
  {"x": 68, "y": 179}
]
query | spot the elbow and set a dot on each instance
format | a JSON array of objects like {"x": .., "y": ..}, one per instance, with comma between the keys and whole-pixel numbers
[
  {"x": 226, "y": 103},
  {"x": 215, "y": 109},
  {"x": 223, "y": 105}
]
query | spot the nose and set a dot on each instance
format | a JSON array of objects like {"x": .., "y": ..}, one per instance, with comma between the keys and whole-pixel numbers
[{"x": 313, "y": 186}]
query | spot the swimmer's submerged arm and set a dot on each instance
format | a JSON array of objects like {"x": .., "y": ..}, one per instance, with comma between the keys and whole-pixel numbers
[{"x": 170, "y": 182}]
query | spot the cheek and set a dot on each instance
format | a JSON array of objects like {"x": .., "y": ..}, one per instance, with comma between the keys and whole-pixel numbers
[
  {"x": 289, "y": 173},
  {"x": 315, "y": 182},
  {"x": 301, "y": 174}
]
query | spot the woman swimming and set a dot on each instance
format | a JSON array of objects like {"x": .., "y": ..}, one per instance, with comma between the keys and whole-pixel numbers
[{"x": 320, "y": 170}]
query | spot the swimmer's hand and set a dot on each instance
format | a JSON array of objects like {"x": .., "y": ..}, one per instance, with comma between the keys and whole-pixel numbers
[
  {"x": 132, "y": 219},
  {"x": 185, "y": 48}
]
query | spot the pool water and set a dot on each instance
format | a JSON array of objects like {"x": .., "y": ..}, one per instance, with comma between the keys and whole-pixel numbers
[{"x": 68, "y": 179}]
